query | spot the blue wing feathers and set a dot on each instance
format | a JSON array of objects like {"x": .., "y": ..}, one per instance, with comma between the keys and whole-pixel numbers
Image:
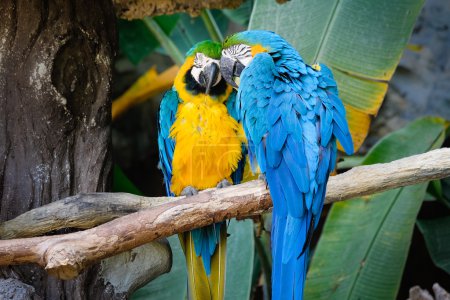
[
  {"x": 166, "y": 145},
  {"x": 296, "y": 165},
  {"x": 295, "y": 139},
  {"x": 277, "y": 136},
  {"x": 295, "y": 236},
  {"x": 294, "y": 201},
  {"x": 273, "y": 157},
  {"x": 261, "y": 156}
]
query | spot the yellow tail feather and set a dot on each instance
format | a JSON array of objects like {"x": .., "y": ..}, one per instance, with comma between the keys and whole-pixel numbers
[{"x": 201, "y": 286}]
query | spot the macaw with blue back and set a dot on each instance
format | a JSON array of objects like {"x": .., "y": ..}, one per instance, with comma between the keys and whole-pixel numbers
[
  {"x": 201, "y": 146},
  {"x": 292, "y": 116}
]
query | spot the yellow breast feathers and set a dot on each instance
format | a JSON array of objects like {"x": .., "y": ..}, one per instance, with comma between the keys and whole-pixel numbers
[{"x": 208, "y": 144}]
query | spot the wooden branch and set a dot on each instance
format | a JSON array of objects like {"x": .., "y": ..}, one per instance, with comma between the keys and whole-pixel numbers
[
  {"x": 137, "y": 9},
  {"x": 88, "y": 210},
  {"x": 66, "y": 255},
  {"x": 81, "y": 211}
]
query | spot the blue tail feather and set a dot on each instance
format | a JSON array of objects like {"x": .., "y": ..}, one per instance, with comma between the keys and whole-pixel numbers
[
  {"x": 289, "y": 234},
  {"x": 205, "y": 243},
  {"x": 295, "y": 232}
]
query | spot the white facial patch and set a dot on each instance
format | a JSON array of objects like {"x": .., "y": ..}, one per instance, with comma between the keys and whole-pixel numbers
[
  {"x": 195, "y": 72},
  {"x": 200, "y": 62},
  {"x": 239, "y": 52}
]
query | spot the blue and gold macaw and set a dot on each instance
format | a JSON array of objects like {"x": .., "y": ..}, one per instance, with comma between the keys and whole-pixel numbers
[
  {"x": 201, "y": 146},
  {"x": 292, "y": 116}
]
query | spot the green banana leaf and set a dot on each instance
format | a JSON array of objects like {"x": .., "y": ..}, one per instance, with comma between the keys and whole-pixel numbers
[
  {"x": 136, "y": 41},
  {"x": 362, "y": 41},
  {"x": 172, "y": 285},
  {"x": 240, "y": 15},
  {"x": 363, "y": 248},
  {"x": 240, "y": 255},
  {"x": 190, "y": 31},
  {"x": 121, "y": 183},
  {"x": 437, "y": 237}
]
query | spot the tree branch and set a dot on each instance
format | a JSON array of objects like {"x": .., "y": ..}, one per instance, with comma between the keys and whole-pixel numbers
[
  {"x": 138, "y": 9},
  {"x": 66, "y": 255}
]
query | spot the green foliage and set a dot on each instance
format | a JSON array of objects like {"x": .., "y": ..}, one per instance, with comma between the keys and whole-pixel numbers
[
  {"x": 136, "y": 41},
  {"x": 210, "y": 24},
  {"x": 348, "y": 162},
  {"x": 264, "y": 258},
  {"x": 445, "y": 185},
  {"x": 190, "y": 31},
  {"x": 172, "y": 285},
  {"x": 371, "y": 235},
  {"x": 362, "y": 41},
  {"x": 240, "y": 255},
  {"x": 437, "y": 237},
  {"x": 240, "y": 15},
  {"x": 164, "y": 40},
  {"x": 121, "y": 183}
]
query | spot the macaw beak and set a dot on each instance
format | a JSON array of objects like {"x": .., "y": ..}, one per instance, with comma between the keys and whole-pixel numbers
[
  {"x": 230, "y": 69},
  {"x": 210, "y": 74}
]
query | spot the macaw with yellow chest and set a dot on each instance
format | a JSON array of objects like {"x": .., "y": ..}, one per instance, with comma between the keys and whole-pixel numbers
[
  {"x": 201, "y": 146},
  {"x": 292, "y": 116}
]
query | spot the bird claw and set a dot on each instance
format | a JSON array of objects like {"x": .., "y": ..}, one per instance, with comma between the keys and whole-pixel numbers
[
  {"x": 224, "y": 183},
  {"x": 189, "y": 191}
]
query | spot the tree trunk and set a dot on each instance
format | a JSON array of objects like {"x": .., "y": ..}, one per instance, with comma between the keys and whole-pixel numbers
[{"x": 55, "y": 81}]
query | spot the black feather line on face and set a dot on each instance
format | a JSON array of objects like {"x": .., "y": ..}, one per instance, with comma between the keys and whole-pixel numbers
[{"x": 195, "y": 88}]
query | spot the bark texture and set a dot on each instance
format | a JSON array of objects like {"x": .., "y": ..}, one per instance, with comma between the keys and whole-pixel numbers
[
  {"x": 88, "y": 210},
  {"x": 137, "y": 9},
  {"x": 67, "y": 255},
  {"x": 55, "y": 76}
]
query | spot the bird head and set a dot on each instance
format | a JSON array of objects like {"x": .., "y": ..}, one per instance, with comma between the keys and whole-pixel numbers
[
  {"x": 240, "y": 49},
  {"x": 200, "y": 71}
]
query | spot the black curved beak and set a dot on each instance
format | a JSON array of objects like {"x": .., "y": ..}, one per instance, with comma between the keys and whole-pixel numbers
[
  {"x": 210, "y": 72},
  {"x": 230, "y": 69}
]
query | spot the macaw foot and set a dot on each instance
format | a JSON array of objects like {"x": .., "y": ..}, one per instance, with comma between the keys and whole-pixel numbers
[
  {"x": 262, "y": 177},
  {"x": 224, "y": 183},
  {"x": 189, "y": 191}
]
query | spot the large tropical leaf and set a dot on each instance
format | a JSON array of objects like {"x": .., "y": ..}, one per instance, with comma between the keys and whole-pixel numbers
[
  {"x": 364, "y": 245},
  {"x": 437, "y": 237},
  {"x": 190, "y": 31},
  {"x": 362, "y": 41},
  {"x": 172, "y": 285},
  {"x": 136, "y": 41},
  {"x": 122, "y": 184},
  {"x": 240, "y": 15},
  {"x": 240, "y": 254}
]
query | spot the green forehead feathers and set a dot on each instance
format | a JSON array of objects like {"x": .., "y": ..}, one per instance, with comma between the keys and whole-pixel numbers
[
  {"x": 231, "y": 40},
  {"x": 209, "y": 48}
]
